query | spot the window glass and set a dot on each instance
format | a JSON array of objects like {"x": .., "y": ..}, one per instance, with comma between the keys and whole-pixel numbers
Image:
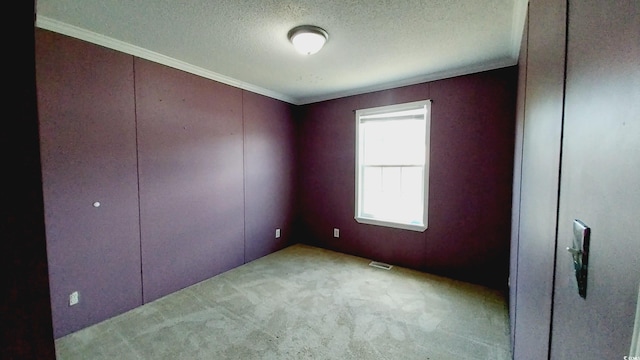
[{"x": 392, "y": 165}]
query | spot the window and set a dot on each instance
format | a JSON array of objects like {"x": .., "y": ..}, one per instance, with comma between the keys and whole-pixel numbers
[{"x": 392, "y": 165}]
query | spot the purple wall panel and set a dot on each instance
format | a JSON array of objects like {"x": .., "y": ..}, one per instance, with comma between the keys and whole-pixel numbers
[
  {"x": 326, "y": 173},
  {"x": 88, "y": 146},
  {"x": 191, "y": 177},
  {"x": 600, "y": 181},
  {"x": 269, "y": 158},
  {"x": 472, "y": 139},
  {"x": 471, "y": 172},
  {"x": 538, "y": 191},
  {"x": 517, "y": 179}
]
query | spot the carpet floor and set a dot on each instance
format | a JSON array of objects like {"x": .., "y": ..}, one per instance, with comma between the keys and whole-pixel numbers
[{"x": 307, "y": 303}]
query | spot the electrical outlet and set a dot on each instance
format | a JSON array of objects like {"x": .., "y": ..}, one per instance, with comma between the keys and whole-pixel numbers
[
  {"x": 277, "y": 233},
  {"x": 336, "y": 232},
  {"x": 74, "y": 298}
]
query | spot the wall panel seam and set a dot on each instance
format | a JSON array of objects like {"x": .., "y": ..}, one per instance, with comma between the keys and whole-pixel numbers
[
  {"x": 562, "y": 118},
  {"x": 135, "y": 119}
]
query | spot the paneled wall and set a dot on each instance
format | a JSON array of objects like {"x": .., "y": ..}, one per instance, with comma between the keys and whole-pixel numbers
[
  {"x": 539, "y": 128},
  {"x": 177, "y": 163},
  {"x": 472, "y": 139},
  {"x": 580, "y": 125},
  {"x": 600, "y": 181},
  {"x": 88, "y": 145},
  {"x": 517, "y": 179},
  {"x": 191, "y": 177},
  {"x": 269, "y": 171}
]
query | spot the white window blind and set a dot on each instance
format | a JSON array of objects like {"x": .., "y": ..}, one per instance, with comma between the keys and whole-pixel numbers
[{"x": 392, "y": 165}]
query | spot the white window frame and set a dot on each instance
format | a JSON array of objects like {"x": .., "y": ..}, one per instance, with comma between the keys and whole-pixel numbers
[{"x": 370, "y": 114}]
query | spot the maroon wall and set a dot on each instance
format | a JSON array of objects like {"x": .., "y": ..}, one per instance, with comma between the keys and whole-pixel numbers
[
  {"x": 540, "y": 127},
  {"x": 580, "y": 129},
  {"x": 269, "y": 160},
  {"x": 600, "y": 181},
  {"x": 211, "y": 165},
  {"x": 191, "y": 177},
  {"x": 88, "y": 147},
  {"x": 517, "y": 179},
  {"x": 472, "y": 139}
]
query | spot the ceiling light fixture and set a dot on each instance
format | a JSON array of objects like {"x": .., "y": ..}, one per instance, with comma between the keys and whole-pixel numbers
[{"x": 308, "y": 39}]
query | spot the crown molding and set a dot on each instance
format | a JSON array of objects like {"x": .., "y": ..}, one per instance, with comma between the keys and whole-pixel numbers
[
  {"x": 476, "y": 68},
  {"x": 519, "y": 15},
  {"x": 111, "y": 43}
]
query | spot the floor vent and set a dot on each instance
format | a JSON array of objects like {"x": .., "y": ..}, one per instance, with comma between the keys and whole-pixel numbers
[{"x": 380, "y": 265}]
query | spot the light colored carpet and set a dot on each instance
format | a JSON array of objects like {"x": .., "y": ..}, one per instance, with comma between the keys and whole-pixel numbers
[{"x": 307, "y": 303}]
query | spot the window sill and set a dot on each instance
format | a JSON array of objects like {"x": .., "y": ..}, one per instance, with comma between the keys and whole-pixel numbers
[{"x": 405, "y": 226}]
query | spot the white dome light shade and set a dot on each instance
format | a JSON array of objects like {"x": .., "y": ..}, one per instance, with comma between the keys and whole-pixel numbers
[{"x": 308, "y": 39}]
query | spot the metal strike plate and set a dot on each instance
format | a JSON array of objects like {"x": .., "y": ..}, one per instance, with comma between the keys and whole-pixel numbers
[{"x": 580, "y": 254}]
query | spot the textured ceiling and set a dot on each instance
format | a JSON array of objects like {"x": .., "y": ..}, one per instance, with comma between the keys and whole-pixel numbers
[{"x": 372, "y": 45}]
